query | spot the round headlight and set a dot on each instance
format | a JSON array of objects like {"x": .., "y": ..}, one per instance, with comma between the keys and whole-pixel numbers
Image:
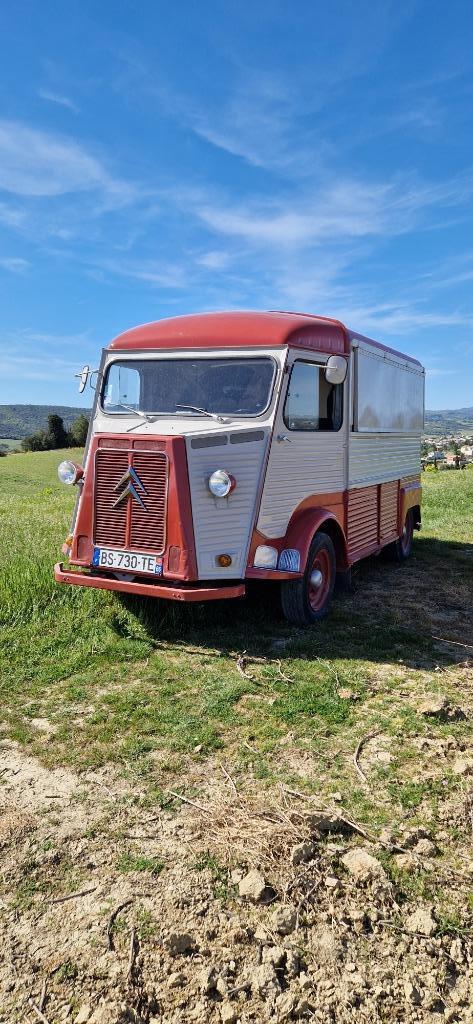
[
  {"x": 68, "y": 472},
  {"x": 221, "y": 483}
]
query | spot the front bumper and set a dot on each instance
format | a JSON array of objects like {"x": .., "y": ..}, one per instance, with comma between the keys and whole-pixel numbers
[{"x": 190, "y": 592}]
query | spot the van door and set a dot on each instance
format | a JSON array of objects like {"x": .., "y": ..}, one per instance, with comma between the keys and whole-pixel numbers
[{"x": 307, "y": 459}]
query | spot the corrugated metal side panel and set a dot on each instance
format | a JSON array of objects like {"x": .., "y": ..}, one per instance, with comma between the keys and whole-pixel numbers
[
  {"x": 377, "y": 458},
  {"x": 223, "y": 525},
  {"x": 362, "y": 519},
  {"x": 309, "y": 465},
  {"x": 388, "y": 510}
]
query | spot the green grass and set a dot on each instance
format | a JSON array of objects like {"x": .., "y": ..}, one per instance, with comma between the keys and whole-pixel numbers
[{"x": 154, "y": 687}]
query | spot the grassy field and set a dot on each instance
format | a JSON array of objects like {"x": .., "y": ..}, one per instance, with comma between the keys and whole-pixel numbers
[
  {"x": 120, "y": 679},
  {"x": 115, "y": 710}
]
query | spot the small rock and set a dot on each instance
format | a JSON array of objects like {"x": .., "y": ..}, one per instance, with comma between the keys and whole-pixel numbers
[
  {"x": 179, "y": 942},
  {"x": 337, "y": 797},
  {"x": 286, "y": 1004},
  {"x": 176, "y": 979},
  {"x": 440, "y": 707},
  {"x": 421, "y": 921},
  {"x": 83, "y": 1014},
  {"x": 305, "y": 983},
  {"x": 303, "y": 852},
  {"x": 362, "y": 866},
  {"x": 456, "y": 951},
  {"x": 252, "y": 886},
  {"x": 320, "y": 821},
  {"x": 433, "y": 706},
  {"x": 406, "y": 861},
  {"x": 274, "y": 955},
  {"x": 262, "y": 934},
  {"x": 411, "y": 993},
  {"x": 228, "y": 1014},
  {"x": 265, "y": 982},
  {"x": 331, "y": 882},
  {"x": 425, "y": 848},
  {"x": 345, "y": 693},
  {"x": 208, "y": 980},
  {"x": 463, "y": 766},
  {"x": 284, "y": 920},
  {"x": 293, "y": 964}
]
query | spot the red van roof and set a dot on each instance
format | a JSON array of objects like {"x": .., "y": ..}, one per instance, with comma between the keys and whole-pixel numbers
[{"x": 241, "y": 329}]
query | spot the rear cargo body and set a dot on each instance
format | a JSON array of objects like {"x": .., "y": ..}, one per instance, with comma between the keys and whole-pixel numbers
[{"x": 301, "y": 452}]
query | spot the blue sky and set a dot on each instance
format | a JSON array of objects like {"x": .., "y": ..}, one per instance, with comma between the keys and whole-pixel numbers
[{"x": 158, "y": 159}]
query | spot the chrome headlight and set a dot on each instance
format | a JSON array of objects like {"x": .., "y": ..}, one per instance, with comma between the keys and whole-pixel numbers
[
  {"x": 221, "y": 483},
  {"x": 69, "y": 472}
]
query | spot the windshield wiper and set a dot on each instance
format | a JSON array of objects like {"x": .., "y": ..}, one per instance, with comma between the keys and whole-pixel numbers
[
  {"x": 203, "y": 412},
  {"x": 145, "y": 417}
]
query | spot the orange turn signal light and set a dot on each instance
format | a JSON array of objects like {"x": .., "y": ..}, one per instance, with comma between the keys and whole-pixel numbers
[{"x": 224, "y": 561}]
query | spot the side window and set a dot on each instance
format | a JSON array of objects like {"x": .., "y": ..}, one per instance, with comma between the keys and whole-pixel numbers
[
  {"x": 122, "y": 388},
  {"x": 311, "y": 402}
]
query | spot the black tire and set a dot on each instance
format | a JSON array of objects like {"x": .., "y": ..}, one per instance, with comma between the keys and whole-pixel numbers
[
  {"x": 302, "y": 603},
  {"x": 401, "y": 550}
]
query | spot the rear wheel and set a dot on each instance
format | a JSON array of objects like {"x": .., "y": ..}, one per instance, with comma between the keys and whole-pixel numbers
[
  {"x": 402, "y": 547},
  {"x": 308, "y": 599}
]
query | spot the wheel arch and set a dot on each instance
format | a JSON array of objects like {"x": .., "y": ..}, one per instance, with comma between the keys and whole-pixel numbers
[{"x": 303, "y": 527}]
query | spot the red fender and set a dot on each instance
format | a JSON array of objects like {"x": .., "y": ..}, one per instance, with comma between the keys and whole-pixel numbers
[{"x": 304, "y": 525}]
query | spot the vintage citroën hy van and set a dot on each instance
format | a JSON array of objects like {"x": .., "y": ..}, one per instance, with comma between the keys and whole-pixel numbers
[{"x": 230, "y": 447}]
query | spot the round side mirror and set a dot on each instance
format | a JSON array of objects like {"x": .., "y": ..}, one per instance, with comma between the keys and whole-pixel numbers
[
  {"x": 336, "y": 370},
  {"x": 83, "y": 377}
]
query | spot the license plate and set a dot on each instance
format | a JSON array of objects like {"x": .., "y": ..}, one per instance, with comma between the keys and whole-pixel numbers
[{"x": 127, "y": 561}]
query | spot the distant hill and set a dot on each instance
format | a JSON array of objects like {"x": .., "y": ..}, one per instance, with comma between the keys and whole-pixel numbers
[
  {"x": 17, "y": 421},
  {"x": 449, "y": 421}
]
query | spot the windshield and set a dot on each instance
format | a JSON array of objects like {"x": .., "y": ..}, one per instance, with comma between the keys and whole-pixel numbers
[{"x": 189, "y": 387}]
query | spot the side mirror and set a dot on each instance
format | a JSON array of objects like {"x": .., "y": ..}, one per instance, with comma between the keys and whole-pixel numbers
[
  {"x": 336, "y": 370},
  {"x": 83, "y": 377}
]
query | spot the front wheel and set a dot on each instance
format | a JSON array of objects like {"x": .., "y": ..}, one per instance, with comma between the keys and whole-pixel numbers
[{"x": 308, "y": 599}]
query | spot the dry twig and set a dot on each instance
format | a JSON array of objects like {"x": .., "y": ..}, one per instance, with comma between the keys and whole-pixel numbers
[
  {"x": 39, "y": 1013},
  {"x": 283, "y": 674},
  {"x": 356, "y": 755},
  {"x": 231, "y": 781},
  {"x": 72, "y": 895},
  {"x": 457, "y": 643},
  {"x": 111, "y": 920},
  {"x": 131, "y": 954},
  {"x": 241, "y": 665},
  {"x": 42, "y": 996},
  {"x": 185, "y": 800}
]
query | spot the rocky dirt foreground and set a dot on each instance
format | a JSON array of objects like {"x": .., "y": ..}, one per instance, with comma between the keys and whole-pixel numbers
[{"x": 242, "y": 905}]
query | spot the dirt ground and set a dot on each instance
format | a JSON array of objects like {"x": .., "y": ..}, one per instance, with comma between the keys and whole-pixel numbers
[{"x": 244, "y": 905}]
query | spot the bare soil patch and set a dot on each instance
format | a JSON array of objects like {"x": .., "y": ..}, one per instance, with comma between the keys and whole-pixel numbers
[{"x": 243, "y": 904}]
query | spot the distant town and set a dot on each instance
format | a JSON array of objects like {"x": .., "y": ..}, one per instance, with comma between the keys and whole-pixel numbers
[{"x": 450, "y": 451}]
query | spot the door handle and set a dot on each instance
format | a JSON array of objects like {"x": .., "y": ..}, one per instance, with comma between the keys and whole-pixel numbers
[{"x": 284, "y": 437}]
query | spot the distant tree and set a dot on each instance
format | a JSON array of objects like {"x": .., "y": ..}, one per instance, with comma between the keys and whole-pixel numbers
[
  {"x": 78, "y": 431},
  {"x": 56, "y": 433},
  {"x": 35, "y": 442}
]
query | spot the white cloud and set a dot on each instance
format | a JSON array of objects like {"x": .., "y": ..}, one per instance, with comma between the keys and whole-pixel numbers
[
  {"x": 39, "y": 164},
  {"x": 15, "y": 264},
  {"x": 61, "y": 101}
]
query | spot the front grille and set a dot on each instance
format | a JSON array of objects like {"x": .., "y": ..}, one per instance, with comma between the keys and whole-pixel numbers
[{"x": 129, "y": 525}]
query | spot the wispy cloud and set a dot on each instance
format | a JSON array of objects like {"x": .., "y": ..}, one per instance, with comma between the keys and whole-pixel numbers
[
  {"x": 15, "y": 264},
  {"x": 60, "y": 101},
  {"x": 35, "y": 163}
]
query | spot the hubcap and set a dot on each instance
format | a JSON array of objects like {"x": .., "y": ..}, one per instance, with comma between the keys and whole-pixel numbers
[{"x": 319, "y": 580}]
